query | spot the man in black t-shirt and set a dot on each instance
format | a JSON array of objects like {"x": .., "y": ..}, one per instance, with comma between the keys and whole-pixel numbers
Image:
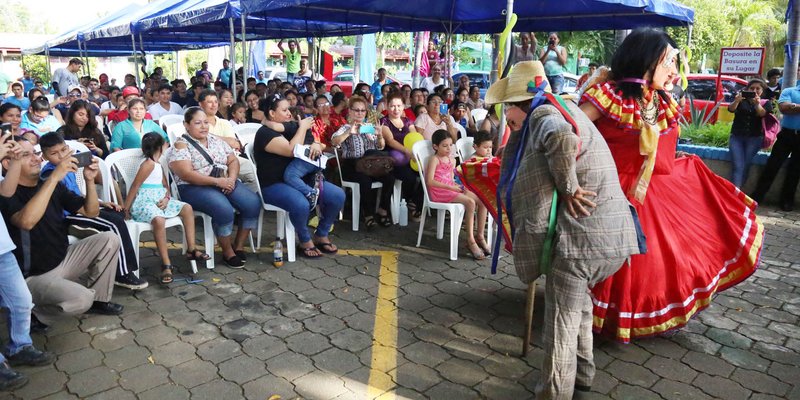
[{"x": 63, "y": 279}]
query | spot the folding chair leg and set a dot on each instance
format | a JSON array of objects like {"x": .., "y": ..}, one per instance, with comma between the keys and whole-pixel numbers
[
  {"x": 421, "y": 224},
  {"x": 490, "y": 230},
  {"x": 356, "y": 207},
  {"x": 209, "y": 239},
  {"x": 290, "y": 239},
  {"x": 440, "y": 214},
  {"x": 455, "y": 230},
  {"x": 193, "y": 264},
  {"x": 396, "y": 193},
  {"x": 531, "y": 296}
]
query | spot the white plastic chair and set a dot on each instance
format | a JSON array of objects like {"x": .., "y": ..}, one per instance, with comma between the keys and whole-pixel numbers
[
  {"x": 284, "y": 224},
  {"x": 462, "y": 132},
  {"x": 355, "y": 189},
  {"x": 170, "y": 119},
  {"x": 478, "y": 115},
  {"x": 127, "y": 164},
  {"x": 174, "y": 131},
  {"x": 246, "y": 132},
  {"x": 464, "y": 148},
  {"x": 422, "y": 151}
]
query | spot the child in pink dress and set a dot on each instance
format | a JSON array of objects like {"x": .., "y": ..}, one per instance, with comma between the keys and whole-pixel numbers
[{"x": 442, "y": 188}]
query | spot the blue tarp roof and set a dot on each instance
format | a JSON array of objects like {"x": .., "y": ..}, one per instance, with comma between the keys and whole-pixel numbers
[
  {"x": 480, "y": 16},
  {"x": 169, "y": 25}
]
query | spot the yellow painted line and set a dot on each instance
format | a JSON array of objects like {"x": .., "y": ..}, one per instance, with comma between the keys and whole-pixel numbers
[{"x": 383, "y": 370}]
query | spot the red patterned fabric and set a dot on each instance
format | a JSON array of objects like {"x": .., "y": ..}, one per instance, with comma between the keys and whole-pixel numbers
[{"x": 481, "y": 175}]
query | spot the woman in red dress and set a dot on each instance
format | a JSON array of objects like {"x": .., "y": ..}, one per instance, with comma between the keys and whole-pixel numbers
[{"x": 702, "y": 232}]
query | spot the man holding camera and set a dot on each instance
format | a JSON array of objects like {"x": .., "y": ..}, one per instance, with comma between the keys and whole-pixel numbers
[{"x": 63, "y": 279}]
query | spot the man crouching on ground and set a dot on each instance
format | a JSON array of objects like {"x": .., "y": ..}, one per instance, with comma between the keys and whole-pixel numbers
[
  {"x": 563, "y": 152},
  {"x": 63, "y": 279}
]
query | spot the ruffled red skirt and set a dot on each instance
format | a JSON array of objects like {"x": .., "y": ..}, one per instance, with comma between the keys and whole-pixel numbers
[{"x": 703, "y": 236}]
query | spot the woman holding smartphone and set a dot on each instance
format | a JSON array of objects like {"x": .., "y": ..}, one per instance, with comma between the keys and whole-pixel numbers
[
  {"x": 436, "y": 118},
  {"x": 746, "y": 132},
  {"x": 81, "y": 125}
]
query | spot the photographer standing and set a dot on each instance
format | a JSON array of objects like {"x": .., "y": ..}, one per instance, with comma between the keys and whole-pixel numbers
[
  {"x": 554, "y": 57},
  {"x": 746, "y": 133}
]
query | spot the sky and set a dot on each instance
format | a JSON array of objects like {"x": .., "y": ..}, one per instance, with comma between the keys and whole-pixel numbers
[{"x": 78, "y": 13}]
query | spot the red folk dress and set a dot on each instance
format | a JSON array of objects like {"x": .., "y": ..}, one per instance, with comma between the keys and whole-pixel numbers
[{"x": 702, "y": 232}]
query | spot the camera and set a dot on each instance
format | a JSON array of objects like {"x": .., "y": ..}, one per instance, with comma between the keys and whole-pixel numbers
[{"x": 748, "y": 94}]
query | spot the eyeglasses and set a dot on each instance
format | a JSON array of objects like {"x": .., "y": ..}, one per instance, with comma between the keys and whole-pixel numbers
[
  {"x": 325, "y": 104},
  {"x": 358, "y": 109},
  {"x": 35, "y": 154},
  {"x": 74, "y": 95}
]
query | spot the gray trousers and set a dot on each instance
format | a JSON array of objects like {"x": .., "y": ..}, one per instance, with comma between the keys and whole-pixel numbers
[
  {"x": 567, "y": 336},
  {"x": 84, "y": 276},
  {"x": 247, "y": 174}
]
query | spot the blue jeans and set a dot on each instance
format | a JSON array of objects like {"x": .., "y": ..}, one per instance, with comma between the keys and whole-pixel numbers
[
  {"x": 283, "y": 196},
  {"x": 290, "y": 77},
  {"x": 15, "y": 296},
  {"x": 294, "y": 173},
  {"x": 556, "y": 83},
  {"x": 743, "y": 149},
  {"x": 220, "y": 206}
]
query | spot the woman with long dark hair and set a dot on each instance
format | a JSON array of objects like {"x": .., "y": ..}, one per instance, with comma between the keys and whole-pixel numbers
[
  {"x": 702, "y": 232},
  {"x": 81, "y": 125}
]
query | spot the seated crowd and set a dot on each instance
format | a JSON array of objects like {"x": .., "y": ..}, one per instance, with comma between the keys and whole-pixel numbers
[{"x": 41, "y": 198}]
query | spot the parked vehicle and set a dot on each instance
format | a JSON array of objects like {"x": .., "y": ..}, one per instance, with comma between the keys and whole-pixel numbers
[
  {"x": 275, "y": 72},
  {"x": 476, "y": 78},
  {"x": 702, "y": 92},
  {"x": 344, "y": 79}
]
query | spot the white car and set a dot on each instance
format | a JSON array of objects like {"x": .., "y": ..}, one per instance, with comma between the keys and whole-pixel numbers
[{"x": 275, "y": 72}]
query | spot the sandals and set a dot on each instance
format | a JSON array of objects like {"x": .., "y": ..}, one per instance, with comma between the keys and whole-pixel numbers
[
  {"x": 384, "y": 220},
  {"x": 166, "y": 274},
  {"x": 369, "y": 222},
  {"x": 311, "y": 252},
  {"x": 484, "y": 246},
  {"x": 475, "y": 251},
  {"x": 327, "y": 248},
  {"x": 195, "y": 254}
]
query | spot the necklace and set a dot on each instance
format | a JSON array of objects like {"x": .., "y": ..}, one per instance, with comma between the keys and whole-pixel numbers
[{"x": 648, "y": 111}]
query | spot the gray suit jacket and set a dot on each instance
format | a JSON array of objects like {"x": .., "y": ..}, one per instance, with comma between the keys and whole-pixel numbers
[{"x": 550, "y": 162}]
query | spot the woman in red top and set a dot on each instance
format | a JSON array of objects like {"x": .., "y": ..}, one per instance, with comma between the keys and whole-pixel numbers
[
  {"x": 702, "y": 233},
  {"x": 325, "y": 122}
]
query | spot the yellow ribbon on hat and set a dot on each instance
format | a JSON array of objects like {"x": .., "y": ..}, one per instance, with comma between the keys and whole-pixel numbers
[{"x": 648, "y": 146}]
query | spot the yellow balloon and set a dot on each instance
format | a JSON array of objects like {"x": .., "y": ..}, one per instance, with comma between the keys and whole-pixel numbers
[{"x": 408, "y": 143}]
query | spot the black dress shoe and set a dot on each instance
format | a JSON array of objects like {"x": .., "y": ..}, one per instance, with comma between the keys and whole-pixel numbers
[
  {"x": 10, "y": 379},
  {"x": 38, "y": 326},
  {"x": 31, "y": 356},
  {"x": 105, "y": 308}
]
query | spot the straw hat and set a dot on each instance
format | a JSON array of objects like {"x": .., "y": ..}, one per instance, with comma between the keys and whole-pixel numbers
[{"x": 514, "y": 87}]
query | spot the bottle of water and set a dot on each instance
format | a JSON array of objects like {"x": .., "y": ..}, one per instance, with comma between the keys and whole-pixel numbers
[
  {"x": 403, "y": 217},
  {"x": 277, "y": 253}
]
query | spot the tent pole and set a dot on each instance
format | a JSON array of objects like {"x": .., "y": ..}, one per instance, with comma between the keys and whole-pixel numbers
[
  {"x": 86, "y": 54},
  {"x": 245, "y": 53},
  {"x": 502, "y": 129},
  {"x": 233, "y": 58},
  {"x": 47, "y": 60},
  {"x": 135, "y": 60}
]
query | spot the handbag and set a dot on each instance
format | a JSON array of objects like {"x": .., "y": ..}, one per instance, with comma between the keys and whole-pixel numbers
[
  {"x": 217, "y": 171},
  {"x": 375, "y": 164},
  {"x": 770, "y": 126}
]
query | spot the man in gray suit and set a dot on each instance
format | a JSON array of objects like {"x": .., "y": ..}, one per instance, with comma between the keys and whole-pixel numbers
[{"x": 594, "y": 233}]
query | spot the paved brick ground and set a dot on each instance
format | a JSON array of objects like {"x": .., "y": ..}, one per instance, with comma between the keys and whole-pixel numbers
[{"x": 306, "y": 330}]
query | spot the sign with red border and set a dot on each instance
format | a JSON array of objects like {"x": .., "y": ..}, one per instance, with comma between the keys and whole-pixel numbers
[{"x": 741, "y": 60}]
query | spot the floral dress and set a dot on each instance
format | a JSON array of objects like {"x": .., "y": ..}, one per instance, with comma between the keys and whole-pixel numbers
[{"x": 145, "y": 207}]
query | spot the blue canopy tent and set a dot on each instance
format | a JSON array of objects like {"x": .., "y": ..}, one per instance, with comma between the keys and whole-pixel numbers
[{"x": 480, "y": 16}]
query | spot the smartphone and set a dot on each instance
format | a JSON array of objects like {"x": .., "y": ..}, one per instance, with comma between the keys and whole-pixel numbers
[
  {"x": 84, "y": 159},
  {"x": 367, "y": 129},
  {"x": 748, "y": 94},
  {"x": 5, "y": 128},
  {"x": 443, "y": 109}
]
